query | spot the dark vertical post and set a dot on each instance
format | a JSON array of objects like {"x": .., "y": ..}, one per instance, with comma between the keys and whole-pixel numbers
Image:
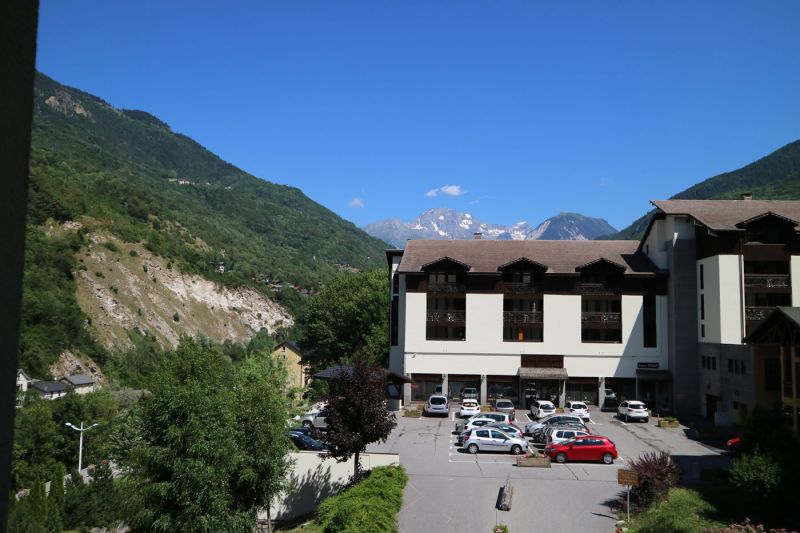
[{"x": 18, "y": 19}]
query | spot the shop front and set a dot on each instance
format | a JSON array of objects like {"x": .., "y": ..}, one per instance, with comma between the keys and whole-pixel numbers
[{"x": 542, "y": 384}]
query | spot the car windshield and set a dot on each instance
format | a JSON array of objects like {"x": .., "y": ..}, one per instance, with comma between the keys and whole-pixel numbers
[
  {"x": 469, "y": 404},
  {"x": 634, "y": 405},
  {"x": 577, "y": 405},
  {"x": 505, "y": 405},
  {"x": 546, "y": 406},
  {"x": 438, "y": 400}
]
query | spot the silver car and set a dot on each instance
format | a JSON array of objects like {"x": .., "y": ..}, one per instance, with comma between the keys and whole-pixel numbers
[
  {"x": 497, "y": 417},
  {"x": 315, "y": 419},
  {"x": 494, "y": 440}
]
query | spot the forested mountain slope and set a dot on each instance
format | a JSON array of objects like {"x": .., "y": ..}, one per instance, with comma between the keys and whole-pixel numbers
[{"x": 773, "y": 177}]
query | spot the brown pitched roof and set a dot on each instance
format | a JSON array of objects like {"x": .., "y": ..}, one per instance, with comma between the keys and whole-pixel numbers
[
  {"x": 560, "y": 257},
  {"x": 724, "y": 215}
]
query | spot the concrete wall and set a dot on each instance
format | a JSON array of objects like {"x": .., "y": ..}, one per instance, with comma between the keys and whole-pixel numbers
[
  {"x": 655, "y": 245},
  {"x": 794, "y": 278},
  {"x": 722, "y": 290},
  {"x": 314, "y": 478}
]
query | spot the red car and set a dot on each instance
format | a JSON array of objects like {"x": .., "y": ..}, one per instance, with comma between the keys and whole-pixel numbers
[
  {"x": 587, "y": 448},
  {"x": 733, "y": 445}
]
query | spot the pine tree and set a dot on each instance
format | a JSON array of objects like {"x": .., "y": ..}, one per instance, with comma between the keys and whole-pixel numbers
[
  {"x": 35, "y": 516},
  {"x": 55, "y": 500}
]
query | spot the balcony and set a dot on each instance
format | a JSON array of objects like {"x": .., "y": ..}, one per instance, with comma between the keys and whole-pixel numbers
[
  {"x": 523, "y": 317},
  {"x": 757, "y": 313},
  {"x": 447, "y": 287},
  {"x": 767, "y": 281},
  {"x": 450, "y": 318},
  {"x": 601, "y": 319},
  {"x": 598, "y": 289},
  {"x": 522, "y": 288}
]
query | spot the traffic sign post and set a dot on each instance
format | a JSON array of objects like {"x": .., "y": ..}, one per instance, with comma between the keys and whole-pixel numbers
[{"x": 629, "y": 478}]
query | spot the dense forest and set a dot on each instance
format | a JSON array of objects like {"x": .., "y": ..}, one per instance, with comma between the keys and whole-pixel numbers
[{"x": 773, "y": 177}]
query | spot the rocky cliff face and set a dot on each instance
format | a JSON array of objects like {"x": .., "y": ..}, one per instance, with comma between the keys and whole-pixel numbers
[{"x": 122, "y": 286}]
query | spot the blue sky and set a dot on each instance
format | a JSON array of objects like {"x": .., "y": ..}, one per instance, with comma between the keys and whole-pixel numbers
[{"x": 512, "y": 110}]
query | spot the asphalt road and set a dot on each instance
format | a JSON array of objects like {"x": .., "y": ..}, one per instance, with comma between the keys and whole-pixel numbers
[{"x": 451, "y": 490}]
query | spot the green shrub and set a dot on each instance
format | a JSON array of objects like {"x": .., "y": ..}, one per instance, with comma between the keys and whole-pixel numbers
[
  {"x": 370, "y": 505},
  {"x": 657, "y": 474},
  {"x": 758, "y": 474},
  {"x": 111, "y": 246},
  {"x": 133, "y": 253}
]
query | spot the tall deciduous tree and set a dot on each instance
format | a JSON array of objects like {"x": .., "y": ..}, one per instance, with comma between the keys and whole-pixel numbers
[
  {"x": 215, "y": 449},
  {"x": 349, "y": 316},
  {"x": 357, "y": 414}
]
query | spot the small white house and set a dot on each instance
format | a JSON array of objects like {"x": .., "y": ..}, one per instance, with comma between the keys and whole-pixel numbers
[
  {"x": 80, "y": 383},
  {"x": 50, "y": 390},
  {"x": 23, "y": 380}
]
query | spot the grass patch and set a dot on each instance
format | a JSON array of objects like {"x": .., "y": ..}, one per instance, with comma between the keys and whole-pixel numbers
[
  {"x": 412, "y": 413},
  {"x": 684, "y": 511}
]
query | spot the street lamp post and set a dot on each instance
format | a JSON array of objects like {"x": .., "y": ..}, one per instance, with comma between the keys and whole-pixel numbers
[{"x": 80, "y": 444}]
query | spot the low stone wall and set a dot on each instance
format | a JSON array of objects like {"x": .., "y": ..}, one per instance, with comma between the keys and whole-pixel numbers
[{"x": 314, "y": 478}]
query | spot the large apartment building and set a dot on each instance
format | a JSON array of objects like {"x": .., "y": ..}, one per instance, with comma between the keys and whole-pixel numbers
[
  {"x": 730, "y": 263},
  {"x": 662, "y": 319}
]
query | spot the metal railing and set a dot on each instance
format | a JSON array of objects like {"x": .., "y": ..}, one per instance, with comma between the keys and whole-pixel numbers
[
  {"x": 523, "y": 317},
  {"x": 447, "y": 317},
  {"x": 769, "y": 281},
  {"x": 601, "y": 318}
]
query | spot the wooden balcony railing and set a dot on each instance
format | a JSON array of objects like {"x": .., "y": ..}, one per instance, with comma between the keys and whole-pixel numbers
[
  {"x": 757, "y": 313},
  {"x": 610, "y": 319},
  {"x": 452, "y": 318},
  {"x": 598, "y": 288},
  {"x": 523, "y": 317},
  {"x": 522, "y": 288},
  {"x": 447, "y": 287},
  {"x": 768, "y": 281}
]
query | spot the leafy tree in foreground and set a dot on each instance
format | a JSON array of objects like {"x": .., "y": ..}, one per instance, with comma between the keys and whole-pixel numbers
[
  {"x": 357, "y": 415},
  {"x": 349, "y": 316},
  {"x": 215, "y": 443},
  {"x": 55, "y": 500}
]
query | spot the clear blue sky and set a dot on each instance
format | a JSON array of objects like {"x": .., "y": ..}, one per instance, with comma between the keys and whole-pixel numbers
[{"x": 524, "y": 108}]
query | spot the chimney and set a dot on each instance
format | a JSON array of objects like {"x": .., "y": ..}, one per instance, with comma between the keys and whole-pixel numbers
[
  {"x": 747, "y": 196},
  {"x": 477, "y": 235}
]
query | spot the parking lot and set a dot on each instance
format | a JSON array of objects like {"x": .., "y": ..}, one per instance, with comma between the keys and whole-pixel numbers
[{"x": 451, "y": 490}]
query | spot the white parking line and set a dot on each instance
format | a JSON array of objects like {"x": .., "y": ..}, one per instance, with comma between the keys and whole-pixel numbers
[
  {"x": 526, "y": 417},
  {"x": 452, "y": 415}
]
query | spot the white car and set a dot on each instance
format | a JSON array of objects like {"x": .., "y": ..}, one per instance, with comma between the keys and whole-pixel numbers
[
  {"x": 633, "y": 409},
  {"x": 577, "y": 408},
  {"x": 472, "y": 423},
  {"x": 557, "y": 435},
  {"x": 494, "y": 440},
  {"x": 469, "y": 408},
  {"x": 542, "y": 408}
]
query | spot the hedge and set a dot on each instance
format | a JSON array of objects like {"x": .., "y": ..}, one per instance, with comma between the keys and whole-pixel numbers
[{"x": 370, "y": 505}]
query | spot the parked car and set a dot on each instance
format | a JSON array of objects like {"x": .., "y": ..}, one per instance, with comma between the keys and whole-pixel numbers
[
  {"x": 469, "y": 408},
  {"x": 540, "y": 435},
  {"x": 492, "y": 416},
  {"x": 305, "y": 430},
  {"x": 633, "y": 409},
  {"x": 504, "y": 405},
  {"x": 509, "y": 429},
  {"x": 557, "y": 434},
  {"x": 469, "y": 393},
  {"x": 305, "y": 442},
  {"x": 494, "y": 440},
  {"x": 531, "y": 395},
  {"x": 531, "y": 427},
  {"x": 577, "y": 408},
  {"x": 732, "y": 445},
  {"x": 590, "y": 448},
  {"x": 610, "y": 401},
  {"x": 437, "y": 404},
  {"x": 542, "y": 408},
  {"x": 315, "y": 419}
]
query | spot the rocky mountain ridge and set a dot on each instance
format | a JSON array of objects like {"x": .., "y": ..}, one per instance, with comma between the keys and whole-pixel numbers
[{"x": 444, "y": 223}]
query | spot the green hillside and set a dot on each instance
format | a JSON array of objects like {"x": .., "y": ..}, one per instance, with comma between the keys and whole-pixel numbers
[
  {"x": 773, "y": 177},
  {"x": 127, "y": 172}
]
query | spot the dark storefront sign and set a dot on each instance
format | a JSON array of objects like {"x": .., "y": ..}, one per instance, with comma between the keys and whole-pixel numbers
[{"x": 647, "y": 365}]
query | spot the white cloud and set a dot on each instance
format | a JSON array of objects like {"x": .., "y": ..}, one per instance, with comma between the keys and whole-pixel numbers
[
  {"x": 450, "y": 190},
  {"x": 473, "y": 202},
  {"x": 356, "y": 202}
]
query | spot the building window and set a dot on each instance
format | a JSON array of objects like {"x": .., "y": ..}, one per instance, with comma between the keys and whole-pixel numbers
[
  {"x": 650, "y": 323},
  {"x": 741, "y": 367},
  {"x": 395, "y": 321},
  {"x": 772, "y": 375},
  {"x": 523, "y": 320},
  {"x": 713, "y": 363},
  {"x": 730, "y": 365},
  {"x": 702, "y": 307},
  {"x": 701, "y": 277},
  {"x": 702, "y": 330},
  {"x": 446, "y": 317}
]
